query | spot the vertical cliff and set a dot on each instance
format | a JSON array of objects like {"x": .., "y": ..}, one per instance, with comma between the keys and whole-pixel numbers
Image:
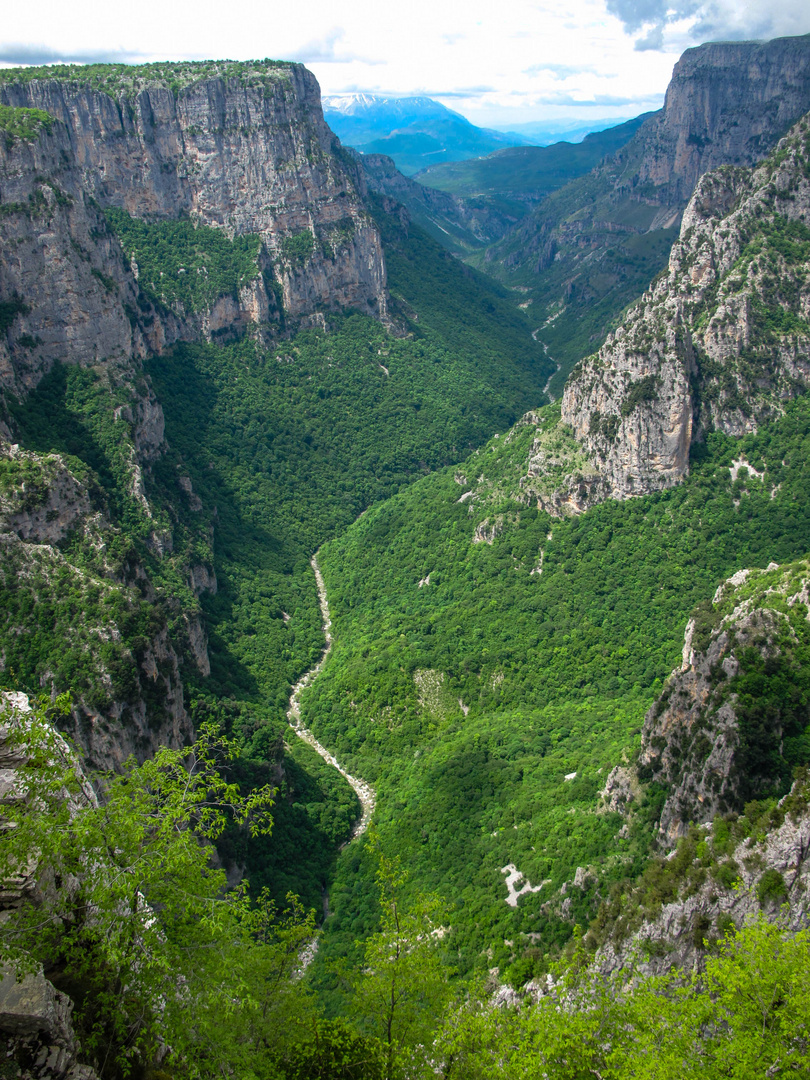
[
  {"x": 725, "y": 104},
  {"x": 720, "y": 342},
  {"x": 242, "y": 147}
]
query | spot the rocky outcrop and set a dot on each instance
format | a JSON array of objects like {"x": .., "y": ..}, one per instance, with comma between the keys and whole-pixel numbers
[
  {"x": 35, "y": 1018},
  {"x": 728, "y": 882},
  {"x": 720, "y": 342},
  {"x": 63, "y": 280},
  {"x": 238, "y": 147},
  {"x": 36, "y": 1028},
  {"x": 728, "y": 723},
  {"x": 593, "y": 246},
  {"x": 458, "y": 223},
  {"x": 726, "y": 104},
  {"x": 127, "y": 686}
]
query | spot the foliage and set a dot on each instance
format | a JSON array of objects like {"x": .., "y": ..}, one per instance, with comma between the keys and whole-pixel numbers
[
  {"x": 126, "y": 80},
  {"x": 517, "y": 177},
  {"x": 298, "y": 248},
  {"x": 26, "y": 124},
  {"x": 135, "y": 916},
  {"x": 284, "y": 447},
  {"x": 186, "y": 263},
  {"x": 9, "y": 309},
  {"x": 641, "y": 390},
  {"x": 401, "y": 987},
  {"x": 539, "y": 674},
  {"x": 746, "y": 1016}
]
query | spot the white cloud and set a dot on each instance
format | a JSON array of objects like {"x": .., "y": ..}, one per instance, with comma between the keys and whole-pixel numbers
[
  {"x": 703, "y": 20},
  {"x": 500, "y": 64}
]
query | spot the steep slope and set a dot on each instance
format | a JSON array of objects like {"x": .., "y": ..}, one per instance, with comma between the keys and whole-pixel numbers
[
  {"x": 731, "y": 724},
  {"x": 594, "y": 245},
  {"x": 519, "y": 178},
  {"x": 176, "y": 447},
  {"x": 242, "y": 147},
  {"x": 461, "y": 225},
  {"x": 721, "y": 744},
  {"x": 720, "y": 342},
  {"x": 492, "y": 663},
  {"x": 471, "y": 204}
]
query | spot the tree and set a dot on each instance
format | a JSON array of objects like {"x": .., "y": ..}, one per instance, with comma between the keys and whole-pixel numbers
[
  {"x": 132, "y": 918},
  {"x": 402, "y": 990}
]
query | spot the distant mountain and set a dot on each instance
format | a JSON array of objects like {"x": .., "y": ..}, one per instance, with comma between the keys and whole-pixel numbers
[
  {"x": 546, "y": 132},
  {"x": 414, "y": 131}
]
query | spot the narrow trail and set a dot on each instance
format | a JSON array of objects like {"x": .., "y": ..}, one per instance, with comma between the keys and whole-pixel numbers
[{"x": 365, "y": 792}]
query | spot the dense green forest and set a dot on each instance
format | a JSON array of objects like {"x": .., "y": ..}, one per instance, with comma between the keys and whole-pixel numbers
[
  {"x": 490, "y": 666},
  {"x": 284, "y": 447},
  {"x": 207, "y": 981},
  {"x": 470, "y": 701}
]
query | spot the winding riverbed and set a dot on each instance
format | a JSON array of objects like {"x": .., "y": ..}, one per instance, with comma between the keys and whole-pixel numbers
[{"x": 365, "y": 792}]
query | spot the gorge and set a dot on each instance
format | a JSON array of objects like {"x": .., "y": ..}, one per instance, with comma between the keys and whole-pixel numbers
[{"x": 557, "y": 697}]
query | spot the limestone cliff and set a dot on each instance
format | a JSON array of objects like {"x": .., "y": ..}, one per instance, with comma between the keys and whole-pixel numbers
[
  {"x": 460, "y": 224},
  {"x": 730, "y": 723},
  {"x": 723, "y": 740},
  {"x": 593, "y": 246},
  {"x": 724, "y": 105},
  {"x": 719, "y": 342},
  {"x": 720, "y": 877},
  {"x": 239, "y": 147},
  {"x": 100, "y": 626}
]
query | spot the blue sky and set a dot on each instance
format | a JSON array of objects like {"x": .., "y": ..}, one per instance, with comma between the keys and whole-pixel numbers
[{"x": 495, "y": 63}]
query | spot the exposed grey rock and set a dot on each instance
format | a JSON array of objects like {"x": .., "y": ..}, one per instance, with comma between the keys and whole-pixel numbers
[
  {"x": 620, "y": 790},
  {"x": 692, "y": 739},
  {"x": 694, "y": 354},
  {"x": 246, "y": 154},
  {"x": 675, "y": 937}
]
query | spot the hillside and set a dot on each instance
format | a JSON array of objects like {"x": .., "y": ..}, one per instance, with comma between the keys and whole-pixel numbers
[
  {"x": 174, "y": 451},
  {"x": 470, "y": 204},
  {"x": 521, "y": 630},
  {"x": 517, "y": 179},
  {"x": 591, "y": 247}
]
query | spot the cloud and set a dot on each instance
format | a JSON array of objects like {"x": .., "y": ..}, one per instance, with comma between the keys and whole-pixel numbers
[
  {"x": 461, "y": 92},
  {"x": 559, "y": 71},
  {"x": 18, "y": 54},
  {"x": 653, "y": 39},
  {"x": 655, "y": 100},
  {"x": 329, "y": 49},
  {"x": 728, "y": 20}
]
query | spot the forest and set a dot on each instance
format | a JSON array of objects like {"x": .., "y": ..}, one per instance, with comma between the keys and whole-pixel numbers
[{"x": 492, "y": 664}]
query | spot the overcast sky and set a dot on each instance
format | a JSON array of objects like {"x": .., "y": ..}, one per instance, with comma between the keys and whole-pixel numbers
[{"x": 497, "y": 63}]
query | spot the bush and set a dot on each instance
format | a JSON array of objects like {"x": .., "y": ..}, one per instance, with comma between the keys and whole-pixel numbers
[{"x": 771, "y": 888}]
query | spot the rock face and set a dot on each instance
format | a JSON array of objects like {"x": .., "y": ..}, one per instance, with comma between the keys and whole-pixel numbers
[
  {"x": 593, "y": 246},
  {"x": 720, "y": 342},
  {"x": 127, "y": 700},
  {"x": 35, "y": 1018},
  {"x": 726, "y": 726},
  {"x": 455, "y": 222},
  {"x": 768, "y": 874},
  {"x": 35, "y": 1024},
  {"x": 243, "y": 150},
  {"x": 724, "y": 105},
  {"x": 723, "y": 740}
]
